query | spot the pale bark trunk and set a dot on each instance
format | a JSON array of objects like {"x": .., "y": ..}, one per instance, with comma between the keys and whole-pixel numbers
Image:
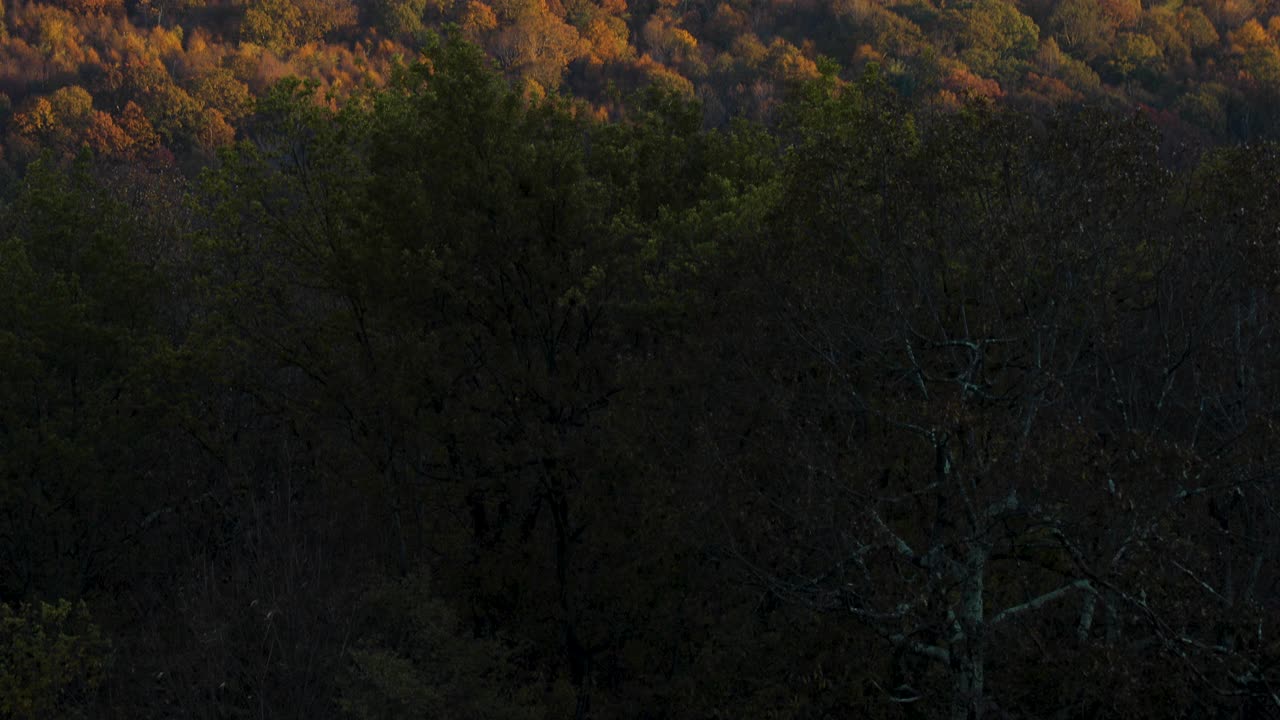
[{"x": 968, "y": 652}]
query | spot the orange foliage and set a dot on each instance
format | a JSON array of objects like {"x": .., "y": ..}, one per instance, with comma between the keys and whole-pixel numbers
[
  {"x": 133, "y": 121},
  {"x": 1052, "y": 90},
  {"x": 478, "y": 18},
  {"x": 1122, "y": 13},
  {"x": 866, "y": 54},
  {"x": 196, "y": 84},
  {"x": 965, "y": 85},
  {"x": 106, "y": 138}
]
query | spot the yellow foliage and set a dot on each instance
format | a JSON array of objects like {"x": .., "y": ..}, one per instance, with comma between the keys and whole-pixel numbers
[
  {"x": 684, "y": 39},
  {"x": 668, "y": 42},
  {"x": 1249, "y": 36},
  {"x": 533, "y": 91},
  {"x": 214, "y": 132},
  {"x": 608, "y": 39},
  {"x": 37, "y": 119},
  {"x": 749, "y": 49},
  {"x": 165, "y": 43},
  {"x": 789, "y": 64},
  {"x": 662, "y": 75}
]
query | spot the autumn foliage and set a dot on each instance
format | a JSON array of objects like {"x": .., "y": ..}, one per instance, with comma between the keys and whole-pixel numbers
[{"x": 635, "y": 359}]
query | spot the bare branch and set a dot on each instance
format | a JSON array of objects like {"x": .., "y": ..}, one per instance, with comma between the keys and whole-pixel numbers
[
  {"x": 1086, "y": 617},
  {"x": 1040, "y": 601},
  {"x": 901, "y": 545},
  {"x": 1202, "y": 583}
]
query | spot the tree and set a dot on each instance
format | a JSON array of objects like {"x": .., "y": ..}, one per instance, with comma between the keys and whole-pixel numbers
[
  {"x": 52, "y": 659},
  {"x": 452, "y": 331},
  {"x": 162, "y": 10},
  {"x": 1136, "y": 57},
  {"x": 1258, "y": 54},
  {"x": 401, "y": 17},
  {"x": 58, "y": 121},
  {"x": 530, "y": 41},
  {"x": 79, "y": 348},
  {"x": 417, "y": 657},
  {"x": 1197, "y": 29},
  {"x": 950, "y": 436},
  {"x": 93, "y": 7},
  {"x": 283, "y": 25},
  {"x": 220, "y": 90},
  {"x": 993, "y": 37},
  {"x": 1081, "y": 28}
]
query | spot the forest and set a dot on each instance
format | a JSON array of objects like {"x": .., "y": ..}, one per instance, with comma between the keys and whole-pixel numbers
[{"x": 547, "y": 359}]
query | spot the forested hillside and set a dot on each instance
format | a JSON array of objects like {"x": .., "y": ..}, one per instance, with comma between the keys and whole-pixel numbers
[
  {"x": 131, "y": 79},
  {"x": 541, "y": 361}
]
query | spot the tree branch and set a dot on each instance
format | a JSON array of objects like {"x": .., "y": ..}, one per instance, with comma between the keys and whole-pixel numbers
[
  {"x": 929, "y": 651},
  {"x": 1040, "y": 601}
]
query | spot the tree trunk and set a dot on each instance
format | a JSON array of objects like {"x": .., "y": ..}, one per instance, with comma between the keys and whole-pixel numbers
[{"x": 968, "y": 657}]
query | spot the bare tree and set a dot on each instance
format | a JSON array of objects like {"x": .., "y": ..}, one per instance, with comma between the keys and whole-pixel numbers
[{"x": 1014, "y": 407}]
